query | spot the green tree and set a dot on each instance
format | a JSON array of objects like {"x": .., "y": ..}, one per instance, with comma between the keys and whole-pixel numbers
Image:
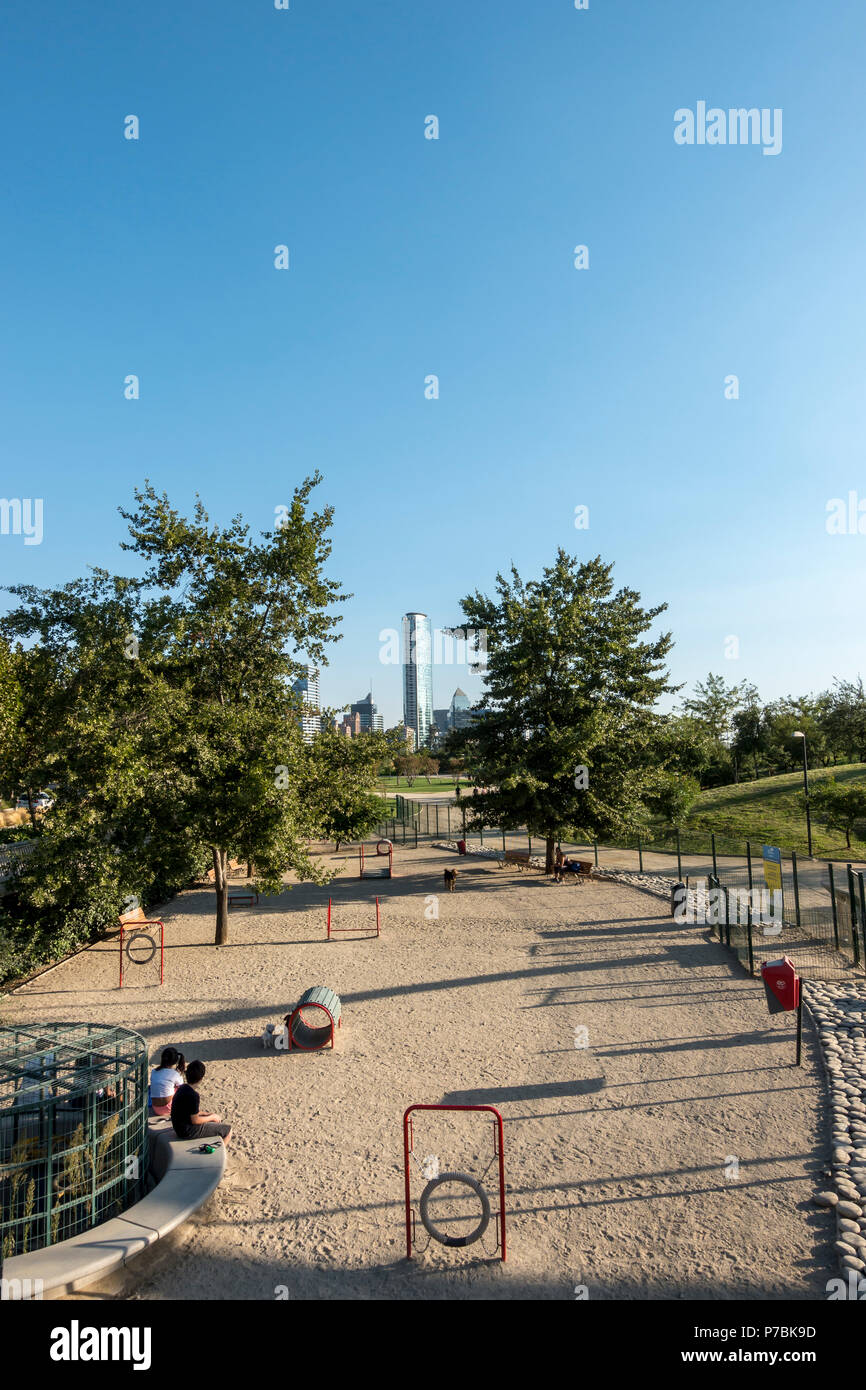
[
  {"x": 408, "y": 765},
  {"x": 781, "y": 721},
  {"x": 685, "y": 745},
  {"x": 570, "y": 684},
  {"x": 338, "y": 784},
  {"x": 673, "y": 796},
  {"x": 839, "y": 806},
  {"x": 750, "y": 735},
  {"x": 11, "y": 702},
  {"x": 30, "y": 691},
  {"x": 714, "y": 702},
  {"x": 843, "y": 719},
  {"x": 179, "y": 682}
]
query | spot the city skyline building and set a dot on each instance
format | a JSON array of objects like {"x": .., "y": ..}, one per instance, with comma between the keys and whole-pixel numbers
[
  {"x": 366, "y": 710},
  {"x": 307, "y": 687},
  {"x": 442, "y": 720},
  {"x": 417, "y": 676},
  {"x": 460, "y": 711}
]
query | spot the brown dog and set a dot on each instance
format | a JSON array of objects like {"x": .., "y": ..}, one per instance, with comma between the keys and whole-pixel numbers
[{"x": 450, "y": 879}]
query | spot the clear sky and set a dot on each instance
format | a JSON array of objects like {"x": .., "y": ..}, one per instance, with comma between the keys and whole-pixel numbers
[{"x": 559, "y": 387}]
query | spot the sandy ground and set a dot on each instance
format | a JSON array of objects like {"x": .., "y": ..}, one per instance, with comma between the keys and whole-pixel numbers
[{"x": 620, "y": 1156}]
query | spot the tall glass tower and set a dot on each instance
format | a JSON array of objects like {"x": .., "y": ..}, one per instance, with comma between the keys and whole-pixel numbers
[
  {"x": 417, "y": 676},
  {"x": 307, "y": 687}
]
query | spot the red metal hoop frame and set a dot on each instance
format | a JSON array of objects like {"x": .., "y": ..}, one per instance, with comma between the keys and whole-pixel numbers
[
  {"x": 389, "y": 852},
  {"x": 498, "y": 1152},
  {"x": 294, "y": 1015},
  {"x": 131, "y": 928},
  {"x": 335, "y": 931}
]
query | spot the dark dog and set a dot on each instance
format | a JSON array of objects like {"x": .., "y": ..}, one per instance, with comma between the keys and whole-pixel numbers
[{"x": 450, "y": 879}]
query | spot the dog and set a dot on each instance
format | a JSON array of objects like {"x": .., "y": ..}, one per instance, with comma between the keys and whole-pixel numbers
[
  {"x": 450, "y": 879},
  {"x": 275, "y": 1035}
]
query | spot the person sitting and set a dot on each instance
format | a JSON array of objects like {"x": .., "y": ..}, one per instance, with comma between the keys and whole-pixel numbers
[
  {"x": 164, "y": 1080},
  {"x": 188, "y": 1120}
]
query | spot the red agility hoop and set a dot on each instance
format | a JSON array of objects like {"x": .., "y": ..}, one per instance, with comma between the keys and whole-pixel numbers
[
  {"x": 463, "y": 1178},
  {"x": 387, "y": 852}
]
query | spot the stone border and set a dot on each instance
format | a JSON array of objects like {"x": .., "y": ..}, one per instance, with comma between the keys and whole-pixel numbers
[
  {"x": 185, "y": 1180},
  {"x": 839, "y": 1013}
]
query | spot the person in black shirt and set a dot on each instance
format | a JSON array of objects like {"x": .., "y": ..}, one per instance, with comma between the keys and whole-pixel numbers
[{"x": 188, "y": 1120}]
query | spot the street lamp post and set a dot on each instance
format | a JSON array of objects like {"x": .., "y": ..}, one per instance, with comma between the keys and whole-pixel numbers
[{"x": 798, "y": 733}]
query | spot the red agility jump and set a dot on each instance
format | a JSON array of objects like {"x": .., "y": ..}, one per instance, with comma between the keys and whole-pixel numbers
[
  {"x": 340, "y": 931},
  {"x": 465, "y": 1179}
]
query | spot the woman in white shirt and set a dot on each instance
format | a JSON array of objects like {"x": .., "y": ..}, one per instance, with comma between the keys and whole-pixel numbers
[{"x": 164, "y": 1081}]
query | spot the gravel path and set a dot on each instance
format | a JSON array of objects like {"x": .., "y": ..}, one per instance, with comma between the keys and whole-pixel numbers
[{"x": 659, "y": 1143}]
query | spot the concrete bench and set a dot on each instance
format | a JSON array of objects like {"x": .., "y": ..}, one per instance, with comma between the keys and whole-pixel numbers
[{"x": 184, "y": 1181}]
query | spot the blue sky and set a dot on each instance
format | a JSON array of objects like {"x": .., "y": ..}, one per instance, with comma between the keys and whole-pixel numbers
[{"x": 408, "y": 257}]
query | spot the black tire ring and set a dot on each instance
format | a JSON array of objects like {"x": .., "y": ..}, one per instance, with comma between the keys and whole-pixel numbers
[
  {"x": 142, "y": 936},
  {"x": 433, "y": 1231}
]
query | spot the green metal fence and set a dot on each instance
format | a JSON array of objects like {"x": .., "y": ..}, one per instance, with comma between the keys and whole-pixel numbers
[
  {"x": 73, "y": 1130},
  {"x": 823, "y": 912}
]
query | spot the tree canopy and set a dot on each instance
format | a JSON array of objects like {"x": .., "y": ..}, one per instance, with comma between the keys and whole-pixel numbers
[
  {"x": 176, "y": 731},
  {"x": 565, "y": 734}
]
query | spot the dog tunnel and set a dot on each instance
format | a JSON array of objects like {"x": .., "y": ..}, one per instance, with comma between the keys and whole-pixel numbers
[{"x": 314, "y": 1018}]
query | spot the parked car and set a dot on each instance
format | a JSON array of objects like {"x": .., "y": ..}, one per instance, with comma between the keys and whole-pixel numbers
[{"x": 42, "y": 801}]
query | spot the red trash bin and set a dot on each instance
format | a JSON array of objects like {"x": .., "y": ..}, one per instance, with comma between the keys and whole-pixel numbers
[
  {"x": 782, "y": 985},
  {"x": 461, "y": 846}
]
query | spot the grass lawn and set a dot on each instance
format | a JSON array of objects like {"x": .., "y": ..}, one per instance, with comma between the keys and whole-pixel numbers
[
  {"x": 769, "y": 811},
  {"x": 421, "y": 784}
]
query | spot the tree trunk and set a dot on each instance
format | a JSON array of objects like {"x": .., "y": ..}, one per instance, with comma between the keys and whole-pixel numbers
[
  {"x": 848, "y": 836},
  {"x": 220, "y": 872},
  {"x": 549, "y": 853}
]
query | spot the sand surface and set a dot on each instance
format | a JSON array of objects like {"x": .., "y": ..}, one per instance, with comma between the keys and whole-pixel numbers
[{"x": 620, "y": 1155}]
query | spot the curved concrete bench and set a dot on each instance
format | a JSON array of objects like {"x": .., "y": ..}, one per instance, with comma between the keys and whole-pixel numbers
[{"x": 184, "y": 1181}]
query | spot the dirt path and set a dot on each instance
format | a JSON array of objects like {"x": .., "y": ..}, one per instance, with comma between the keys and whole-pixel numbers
[{"x": 620, "y": 1156}]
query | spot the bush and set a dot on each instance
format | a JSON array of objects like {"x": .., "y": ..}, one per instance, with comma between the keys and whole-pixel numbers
[
  {"x": 14, "y": 834},
  {"x": 69, "y": 890}
]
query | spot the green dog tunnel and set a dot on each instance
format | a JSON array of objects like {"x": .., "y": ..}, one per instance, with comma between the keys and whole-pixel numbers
[{"x": 314, "y": 1019}]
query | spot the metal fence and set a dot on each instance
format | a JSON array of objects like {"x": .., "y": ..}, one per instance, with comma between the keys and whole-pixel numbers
[
  {"x": 820, "y": 920},
  {"x": 73, "y": 1130}
]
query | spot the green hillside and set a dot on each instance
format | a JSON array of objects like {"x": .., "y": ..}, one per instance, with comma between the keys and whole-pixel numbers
[{"x": 769, "y": 811}]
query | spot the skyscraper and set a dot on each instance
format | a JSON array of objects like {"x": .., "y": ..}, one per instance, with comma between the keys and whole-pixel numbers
[
  {"x": 460, "y": 707},
  {"x": 442, "y": 720},
  {"x": 307, "y": 687},
  {"x": 367, "y": 710},
  {"x": 417, "y": 676}
]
